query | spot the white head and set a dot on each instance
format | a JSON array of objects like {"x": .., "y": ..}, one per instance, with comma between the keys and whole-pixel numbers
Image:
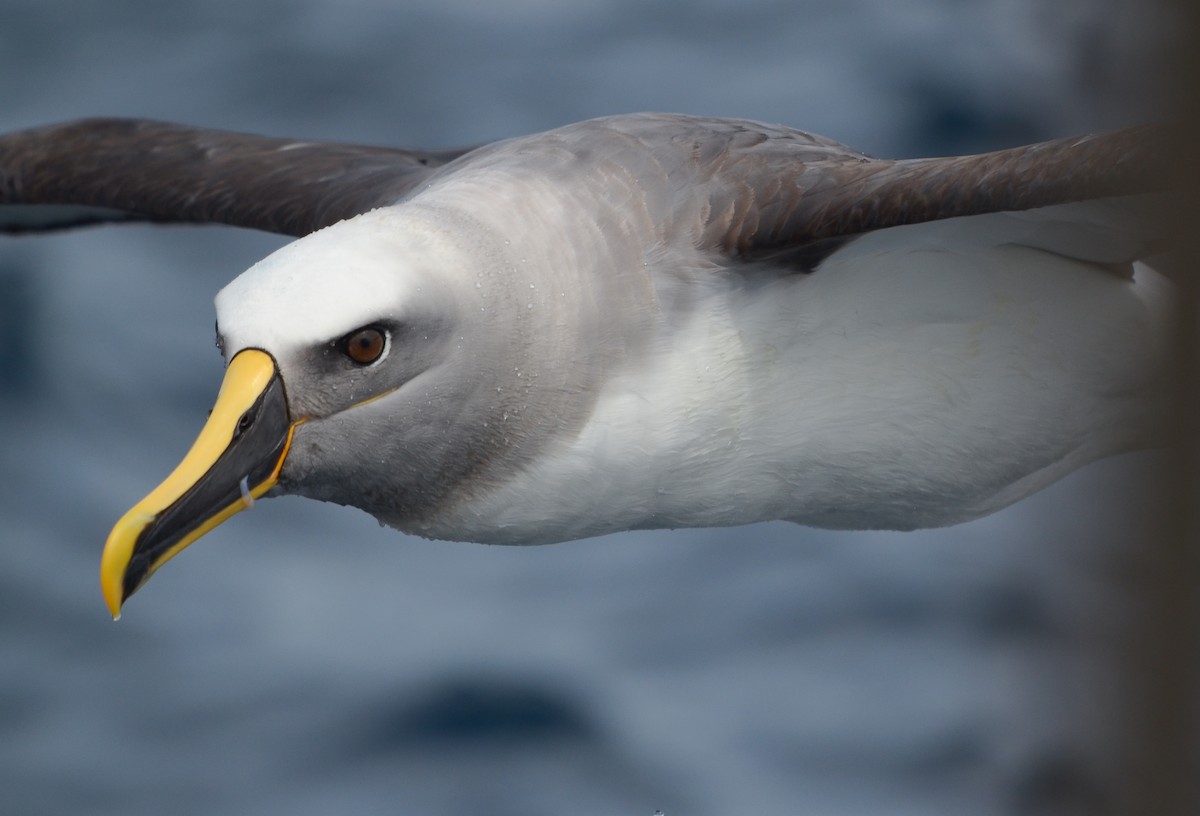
[
  {"x": 403, "y": 362},
  {"x": 391, "y": 366}
]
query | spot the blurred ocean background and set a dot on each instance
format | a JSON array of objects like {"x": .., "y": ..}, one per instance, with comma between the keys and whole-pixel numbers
[{"x": 301, "y": 660}]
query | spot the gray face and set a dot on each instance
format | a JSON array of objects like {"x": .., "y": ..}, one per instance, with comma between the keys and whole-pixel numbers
[{"x": 401, "y": 436}]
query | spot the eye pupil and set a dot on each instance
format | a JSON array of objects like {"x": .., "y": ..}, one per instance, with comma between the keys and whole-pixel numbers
[{"x": 365, "y": 346}]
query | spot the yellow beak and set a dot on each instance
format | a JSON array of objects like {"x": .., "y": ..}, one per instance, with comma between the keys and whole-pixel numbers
[{"x": 236, "y": 459}]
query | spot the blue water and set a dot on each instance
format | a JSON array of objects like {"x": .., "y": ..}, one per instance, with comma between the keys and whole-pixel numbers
[{"x": 301, "y": 660}]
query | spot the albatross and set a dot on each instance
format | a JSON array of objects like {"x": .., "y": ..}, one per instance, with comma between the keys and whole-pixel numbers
[{"x": 638, "y": 321}]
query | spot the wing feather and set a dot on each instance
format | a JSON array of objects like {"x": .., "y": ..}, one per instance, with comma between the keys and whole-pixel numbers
[{"x": 100, "y": 170}]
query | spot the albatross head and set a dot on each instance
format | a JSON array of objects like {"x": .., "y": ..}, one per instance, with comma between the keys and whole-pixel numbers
[{"x": 338, "y": 348}]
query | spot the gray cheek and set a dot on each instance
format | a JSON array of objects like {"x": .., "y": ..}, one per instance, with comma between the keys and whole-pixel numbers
[
  {"x": 303, "y": 463},
  {"x": 320, "y": 467},
  {"x": 344, "y": 460},
  {"x": 310, "y": 394}
]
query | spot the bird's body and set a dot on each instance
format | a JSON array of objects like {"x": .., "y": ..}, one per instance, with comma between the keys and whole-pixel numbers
[
  {"x": 660, "y": 321},
  {"x": 611, "y": 393}
]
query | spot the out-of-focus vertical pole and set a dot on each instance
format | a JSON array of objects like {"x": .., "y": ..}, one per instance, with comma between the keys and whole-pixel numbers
[{"x": 1162, "y": 756}]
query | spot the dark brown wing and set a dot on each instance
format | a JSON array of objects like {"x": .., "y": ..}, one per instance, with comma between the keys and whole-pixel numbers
[
  {"x": 773, "y": 199},
  {"x": 99, "y": 170}
]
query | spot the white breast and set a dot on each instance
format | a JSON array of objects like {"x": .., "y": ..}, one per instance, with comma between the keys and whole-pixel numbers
[{"x": 921, "y": 377}]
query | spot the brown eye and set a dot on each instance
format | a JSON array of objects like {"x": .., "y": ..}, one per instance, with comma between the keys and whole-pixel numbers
[{"x": 365, "y": 346}]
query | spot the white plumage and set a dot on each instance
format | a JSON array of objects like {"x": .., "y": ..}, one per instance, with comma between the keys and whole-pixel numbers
[
  {"x": 922, "y": 376},
  {"x": 640, "y": 321}
]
